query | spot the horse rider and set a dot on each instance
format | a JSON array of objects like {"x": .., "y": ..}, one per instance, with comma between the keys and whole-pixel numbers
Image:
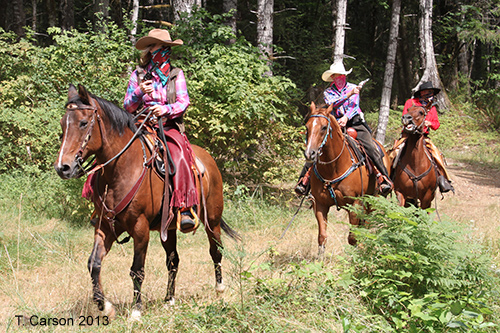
[
  {"x": 344, "y": 97},
  {"x": 425, "y": 93},
  {"x": 153, "y": 93}
]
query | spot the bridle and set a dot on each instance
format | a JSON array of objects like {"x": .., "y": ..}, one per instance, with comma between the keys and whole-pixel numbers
[
  {"x": 328, "y": 133},
  {"x": 354, "y": 165},
  {"x": 90, "y": 169}
]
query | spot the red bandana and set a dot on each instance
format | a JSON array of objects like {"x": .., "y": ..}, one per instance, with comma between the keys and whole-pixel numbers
[{"x": 161, "y": 57}]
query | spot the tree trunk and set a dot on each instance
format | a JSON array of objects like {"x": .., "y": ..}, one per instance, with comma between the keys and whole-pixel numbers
[
  {"x": 427, "y": 55},
  {"x": 102, "y": 7},
  {"x": 265, "y": 10},
  {"x": 67, "y": 14},
  {"x": 231, "y": 5},
  {"x": 52, "y": 13},
  {"x": 33, "y": 15},
  {"x": 385, "y": 101},
  {"x": 134, "y": 18},
  {"x": 184, "y": 6},
  {"x": 19, "y": 18},
  {"x": 340, "y": 12}
]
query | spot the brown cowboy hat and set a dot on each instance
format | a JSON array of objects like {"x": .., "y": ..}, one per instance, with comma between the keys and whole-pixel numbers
[
  {"x": 426, "y": 86},
  {"x": 160, "y": 36}
]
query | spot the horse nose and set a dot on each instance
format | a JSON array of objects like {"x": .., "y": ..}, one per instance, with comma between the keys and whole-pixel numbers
[
  {"x": 310, "y": 154},
  {"x": 406, "y": 119},
  {"x": 63, "y": 170}
]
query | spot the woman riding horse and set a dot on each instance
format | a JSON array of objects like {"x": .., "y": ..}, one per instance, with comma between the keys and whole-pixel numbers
[
  {"x": 344, "y": 97},
  {"x": 152, "y": 92},
  {"x": 423, "y": 97}
]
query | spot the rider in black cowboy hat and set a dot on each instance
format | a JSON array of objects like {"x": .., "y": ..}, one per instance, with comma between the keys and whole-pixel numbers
[{"x": 425, "y": 93}]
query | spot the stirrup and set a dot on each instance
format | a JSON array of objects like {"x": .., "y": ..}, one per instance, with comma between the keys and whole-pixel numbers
[{"x": 195, "y": 219}]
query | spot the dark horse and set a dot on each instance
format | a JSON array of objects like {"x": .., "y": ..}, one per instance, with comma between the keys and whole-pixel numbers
[
  {"x": 414, "y": 171},
  {"x": 338, "y": 175},
  {"x": 130, "y": 190}
]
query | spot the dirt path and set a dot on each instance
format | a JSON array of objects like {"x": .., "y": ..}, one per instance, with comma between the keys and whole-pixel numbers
[{"x": 476, "y": 200}]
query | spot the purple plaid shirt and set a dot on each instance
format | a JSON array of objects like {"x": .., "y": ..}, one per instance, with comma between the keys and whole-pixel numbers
[
  {"x": 343, "y": 106},
  {"x": 134, "y": 96}
]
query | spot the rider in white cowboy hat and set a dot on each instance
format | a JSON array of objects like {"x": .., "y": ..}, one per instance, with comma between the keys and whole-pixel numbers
[{"x": 344, "y": 97}]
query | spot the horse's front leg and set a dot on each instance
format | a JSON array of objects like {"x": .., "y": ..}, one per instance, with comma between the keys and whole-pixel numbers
[
  {"x": 102, "y": 245},
  {"x": 321, "y": 212},
  {"x": 141, "y": 241},
  {"x": 215, "y": 246},
  {"x": 170, "y": 247}
]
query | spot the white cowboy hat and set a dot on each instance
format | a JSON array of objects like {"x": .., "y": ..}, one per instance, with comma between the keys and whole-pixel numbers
[
  {"x": 335, "y": 68},
  {"x": 157, "y": 36}
]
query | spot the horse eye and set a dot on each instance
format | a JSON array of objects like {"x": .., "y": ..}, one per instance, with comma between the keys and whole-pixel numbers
[
  {"x": 421, "y": 113},
  {"x": 324, "y": 128},
  {"x": 83, "y": 123},
  {"x": 60, "y": 137}
]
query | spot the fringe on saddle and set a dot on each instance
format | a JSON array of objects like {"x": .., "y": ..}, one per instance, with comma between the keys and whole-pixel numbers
[{"x": 157, "y": 147}]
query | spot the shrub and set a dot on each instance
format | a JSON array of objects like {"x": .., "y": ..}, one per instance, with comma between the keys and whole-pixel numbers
[{"x": 420, "y": 273}]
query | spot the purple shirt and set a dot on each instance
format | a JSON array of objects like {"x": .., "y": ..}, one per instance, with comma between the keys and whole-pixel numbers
[
  {"x": 134, "y": 96},
  {"x": 343, "y": 106}
]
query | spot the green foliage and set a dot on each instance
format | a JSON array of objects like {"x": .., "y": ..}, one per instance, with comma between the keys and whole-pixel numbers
[
  {"x": 34, "y": 83},
  {"x": 419, "y": 273},
  {"x": 245, "y": 117}
]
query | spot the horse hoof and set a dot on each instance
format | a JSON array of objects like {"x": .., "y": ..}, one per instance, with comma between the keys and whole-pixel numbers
[
  {"x": 169, "y": 302},
  {"x": 220, "y": 287},
  {"x": 109, "y": 310},
  {"x": 135, "y": 315}
]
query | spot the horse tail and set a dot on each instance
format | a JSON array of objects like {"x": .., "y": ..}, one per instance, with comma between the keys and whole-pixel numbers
[{"x": 229, "y": 231}]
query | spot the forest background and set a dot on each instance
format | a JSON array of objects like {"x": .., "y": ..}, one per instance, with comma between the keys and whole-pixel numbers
[{"x": 248, "y": 100}]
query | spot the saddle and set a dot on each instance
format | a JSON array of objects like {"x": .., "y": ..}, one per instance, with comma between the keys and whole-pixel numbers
[{"x": 359, "y": 150}]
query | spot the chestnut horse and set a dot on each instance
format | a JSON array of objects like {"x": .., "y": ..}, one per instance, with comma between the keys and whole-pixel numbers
[
  {"x": 338, "y": 175},
  {"x": 130, "y": 190},
  {"x": 414, "y": 171}
]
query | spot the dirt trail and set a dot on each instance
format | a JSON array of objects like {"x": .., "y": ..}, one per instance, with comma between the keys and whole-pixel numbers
[{"x": 476, "y": 200}]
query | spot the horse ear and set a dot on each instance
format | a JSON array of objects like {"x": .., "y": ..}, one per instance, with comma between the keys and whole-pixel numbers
[
  {"x": 313, "y": 105},
  {"x": 72, "y": 93},
  {"x": 84, "y": 94},
  {"x": 330, "y": 109}
]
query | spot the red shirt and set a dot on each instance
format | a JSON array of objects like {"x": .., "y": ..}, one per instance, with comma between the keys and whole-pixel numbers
[{"x": 432, "y": 115}]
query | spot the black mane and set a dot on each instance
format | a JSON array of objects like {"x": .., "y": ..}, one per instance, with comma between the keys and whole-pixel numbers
[{"x": 118, "y": 117}]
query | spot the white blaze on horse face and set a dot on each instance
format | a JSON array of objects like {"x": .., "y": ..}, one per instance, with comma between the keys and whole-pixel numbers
[
  {"x": 311, "y": 148},
  {"x": 63, "y": 144}
]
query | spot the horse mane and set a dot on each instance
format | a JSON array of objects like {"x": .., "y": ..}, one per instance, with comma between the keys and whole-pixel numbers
[{"x": 118, "y": 117}]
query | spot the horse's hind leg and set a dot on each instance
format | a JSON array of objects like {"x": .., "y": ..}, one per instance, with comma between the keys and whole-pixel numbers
[
  {"x": 215, "y": 246},
  {"x": 170, "y": 247},
  {"x": 102, "y": 245}
]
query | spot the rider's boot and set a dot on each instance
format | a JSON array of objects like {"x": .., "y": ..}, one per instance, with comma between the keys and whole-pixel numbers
[
  {"x": 444, "y": 184},
  {"x": 303, "y": 186}
]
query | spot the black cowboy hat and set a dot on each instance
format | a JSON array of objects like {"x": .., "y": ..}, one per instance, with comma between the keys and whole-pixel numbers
[{"x": 425, "y": 86}]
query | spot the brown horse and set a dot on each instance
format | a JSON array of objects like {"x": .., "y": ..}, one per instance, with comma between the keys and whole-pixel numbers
[
  {"x": 414, "y": 172},
  {"x": 130, "y": 193},
  {"x": 338, "y": 175}
]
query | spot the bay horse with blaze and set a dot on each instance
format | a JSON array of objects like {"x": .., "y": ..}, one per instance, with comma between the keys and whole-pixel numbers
[
  {"x": 129, "y": 192},
  {"x": 338, "y": 176}
]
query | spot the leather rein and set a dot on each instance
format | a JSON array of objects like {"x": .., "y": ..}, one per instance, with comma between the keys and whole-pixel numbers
[{"x": 327, "y": 183}]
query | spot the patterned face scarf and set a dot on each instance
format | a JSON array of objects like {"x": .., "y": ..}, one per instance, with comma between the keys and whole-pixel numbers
[
  {"x": 339, "y": 82},
  {"x": 161, "y": 57}
]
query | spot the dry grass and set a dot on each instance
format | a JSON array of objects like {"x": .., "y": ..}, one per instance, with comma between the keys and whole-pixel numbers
[{"x": 44, "y": 262}]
